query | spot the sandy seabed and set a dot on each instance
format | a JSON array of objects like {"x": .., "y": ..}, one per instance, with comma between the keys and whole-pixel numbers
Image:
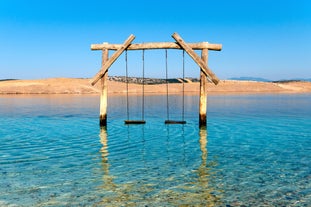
[{"x": 83, "y": 86}]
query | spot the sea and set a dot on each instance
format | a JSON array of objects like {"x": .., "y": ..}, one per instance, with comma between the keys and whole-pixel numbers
[{"x": 254, "y": 151}]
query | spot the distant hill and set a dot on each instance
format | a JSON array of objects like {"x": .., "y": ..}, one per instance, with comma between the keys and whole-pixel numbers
[
  {"x": 83, "y": 86},
  {"x": 305, "y": 79},
  {"x": 293, "y": 80},
  {"x": 267, "y": 80},
  {"x": 7, "y": 79},
  {"x": 250, "y": 79}
]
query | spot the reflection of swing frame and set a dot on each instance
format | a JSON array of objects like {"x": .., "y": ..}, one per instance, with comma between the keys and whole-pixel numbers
[
  {"x": 205, "y": 74},
  {"x": 199, "y": 188}
]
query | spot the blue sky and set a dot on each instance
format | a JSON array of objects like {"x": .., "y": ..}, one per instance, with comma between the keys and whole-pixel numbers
[{"x": 260, "y": 38}]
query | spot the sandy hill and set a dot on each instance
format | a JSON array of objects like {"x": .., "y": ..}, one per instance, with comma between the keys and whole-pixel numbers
[{"x": 83, "y": 86}]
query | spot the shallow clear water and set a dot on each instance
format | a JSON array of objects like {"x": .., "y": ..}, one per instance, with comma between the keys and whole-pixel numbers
[{"x": 255, "y": 151}]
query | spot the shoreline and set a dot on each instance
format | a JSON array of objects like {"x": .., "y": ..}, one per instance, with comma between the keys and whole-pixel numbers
[{"x": 82, "y": 86}]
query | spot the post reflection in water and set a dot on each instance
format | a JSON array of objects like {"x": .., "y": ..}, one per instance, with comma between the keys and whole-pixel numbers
[
  {"x": 107, "y": 179},
  {"x": 180, "y": 186},
  {"x": 209, "y": 194},
  {"x": 115, "y": 193},
  {"x": 198, "y": 188}
]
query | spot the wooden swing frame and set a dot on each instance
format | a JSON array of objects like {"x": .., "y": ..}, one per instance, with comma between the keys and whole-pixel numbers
[{"x": 206, "y": 73}]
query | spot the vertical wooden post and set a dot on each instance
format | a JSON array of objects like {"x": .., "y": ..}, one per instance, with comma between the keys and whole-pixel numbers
[
  {"x": 203, "y": 91},
  {"x": 104, "y": 92}
]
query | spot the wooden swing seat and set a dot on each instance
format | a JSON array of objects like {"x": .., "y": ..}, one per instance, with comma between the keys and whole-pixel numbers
[{"x": 135, "y": 122}]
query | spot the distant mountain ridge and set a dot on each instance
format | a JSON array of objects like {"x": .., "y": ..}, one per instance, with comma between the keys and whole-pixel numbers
[
  {"x": 250, "y": 79},
  {"x": 267, "y": 80}
]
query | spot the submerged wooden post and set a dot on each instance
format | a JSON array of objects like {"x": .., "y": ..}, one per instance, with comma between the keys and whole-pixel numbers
[
  {"x": 203, "y": 91},
  {"x": 104, "y": 92}
]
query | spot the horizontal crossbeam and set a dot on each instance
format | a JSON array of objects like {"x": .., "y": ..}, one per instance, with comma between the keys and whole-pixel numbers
[{"x": 157, "y": 45}]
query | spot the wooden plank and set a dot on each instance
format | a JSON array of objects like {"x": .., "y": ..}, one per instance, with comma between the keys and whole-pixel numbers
[
  {"x": 111, "y": 60},
  {"x": 203, "y": 91},
  {"x": 135, "y": 122},
  {"x": 196, "y": 58},
  {"x": 158, "y": 45},
  {"x": 104, "y": 92}
]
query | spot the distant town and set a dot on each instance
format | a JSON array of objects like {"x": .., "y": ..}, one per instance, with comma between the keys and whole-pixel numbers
[{"x": 151, "y": 81}]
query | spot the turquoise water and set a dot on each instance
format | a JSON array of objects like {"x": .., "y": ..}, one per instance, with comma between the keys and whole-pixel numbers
[{"x": 255, "y": 151}]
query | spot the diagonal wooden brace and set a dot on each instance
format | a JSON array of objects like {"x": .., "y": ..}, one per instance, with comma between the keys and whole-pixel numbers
[
  {"x": 112, "y": 59},
  {"x": 205, "y": 69}
]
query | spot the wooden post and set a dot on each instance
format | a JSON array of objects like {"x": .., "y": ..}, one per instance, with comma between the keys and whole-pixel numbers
[
  {"x": 203, "y": 91},
  {"x": 104, "y": 92}
]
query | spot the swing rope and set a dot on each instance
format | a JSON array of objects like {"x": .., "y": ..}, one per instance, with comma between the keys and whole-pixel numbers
[
  {"x": 143, "y": 87},
  {"x": 127, "y": 88},
  {"x": 183, "y": 86},
  {"x": 128, "y": 121},
  {"x": 168, "y": 121},
  {"x": 166, "y": 78}
]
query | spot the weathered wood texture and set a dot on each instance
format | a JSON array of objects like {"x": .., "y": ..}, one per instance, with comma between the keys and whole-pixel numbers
[
  {"x": 158, "y": 45},
  {"x": 203, "y": 91},
  {"x": 196, "y": 58},
  {"x": 104, "y": 92},
  {"x": 112, "y": 59}
]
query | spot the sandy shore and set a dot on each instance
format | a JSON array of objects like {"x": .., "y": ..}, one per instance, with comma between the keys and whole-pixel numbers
[{"x": 83, "y": 86}]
